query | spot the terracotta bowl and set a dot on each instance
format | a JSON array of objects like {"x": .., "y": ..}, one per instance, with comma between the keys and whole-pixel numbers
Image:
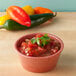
[{"x": 38, "y": 64}]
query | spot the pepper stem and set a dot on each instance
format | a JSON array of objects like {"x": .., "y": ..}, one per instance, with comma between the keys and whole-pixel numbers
[
  {"x": 55, "y": 14},
  {"x": 1, "y": 27}
]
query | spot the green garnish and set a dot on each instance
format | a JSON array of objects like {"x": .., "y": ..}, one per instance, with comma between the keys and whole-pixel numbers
[
  {"x": 44, "y": 40},
  {"x": 45, "y": 35},
  {"x": 33, "y": 40},
  {"x": 38, "y": 41}
]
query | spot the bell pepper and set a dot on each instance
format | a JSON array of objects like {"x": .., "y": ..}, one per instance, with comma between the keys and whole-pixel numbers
[
  {"x": 3, "y": 19},
  {"x": 35, "y": 21},
  {"x": 19, "y": 15},
  {"x": 28, "y": 9},
  {"x": 41, "y": 10}
]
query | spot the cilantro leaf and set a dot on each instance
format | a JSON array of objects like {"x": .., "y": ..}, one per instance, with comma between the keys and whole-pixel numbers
[
  {"x": 38, "y": 41},
  {"x": 45, "y": 35},
  {"x": 45, "y": 40},
  {"x": 33, "y": 40}
]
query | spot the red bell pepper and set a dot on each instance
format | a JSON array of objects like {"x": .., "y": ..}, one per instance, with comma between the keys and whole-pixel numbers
[{"x": 19, "y": 15}]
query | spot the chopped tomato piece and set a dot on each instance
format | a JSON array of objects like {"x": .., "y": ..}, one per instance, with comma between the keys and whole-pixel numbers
[
  {"x": 40, "y": 49},
  {"x": 39, "y": 35},
  {"x": 24, "y": 44},
  {"x": 36, "y": 53},
  {"x": 48, "y": 47},
  {"x": 32, "y": 45},
  {"x": 53, "y": 51},
  {"x": 22, "y": 51}
]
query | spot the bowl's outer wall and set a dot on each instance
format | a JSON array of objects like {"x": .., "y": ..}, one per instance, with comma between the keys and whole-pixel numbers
[{"x": 39, "y": 64}]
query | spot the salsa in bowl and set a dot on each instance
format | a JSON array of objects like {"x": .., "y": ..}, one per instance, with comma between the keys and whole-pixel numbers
[
  {"x": 40, "y": 45},
  {"x": 39, "y": 52}
]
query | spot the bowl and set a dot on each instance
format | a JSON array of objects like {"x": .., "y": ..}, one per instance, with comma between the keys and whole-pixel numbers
[{"x": 38, "y": 64}]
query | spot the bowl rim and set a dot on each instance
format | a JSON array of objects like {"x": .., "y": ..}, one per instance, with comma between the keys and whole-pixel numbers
[{"x": 51, "y": 35}]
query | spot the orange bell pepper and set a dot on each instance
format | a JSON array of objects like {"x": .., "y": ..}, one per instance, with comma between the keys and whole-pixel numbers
[
  {"x": 41, "y": 10},
  {"x": 19, "y": 15}
]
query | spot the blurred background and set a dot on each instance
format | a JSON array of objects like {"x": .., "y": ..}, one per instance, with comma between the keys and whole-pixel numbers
[{"x": 55, "y": 5}]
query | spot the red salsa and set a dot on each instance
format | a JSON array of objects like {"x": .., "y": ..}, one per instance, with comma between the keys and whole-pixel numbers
[{"x": 40, "y": 45}]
